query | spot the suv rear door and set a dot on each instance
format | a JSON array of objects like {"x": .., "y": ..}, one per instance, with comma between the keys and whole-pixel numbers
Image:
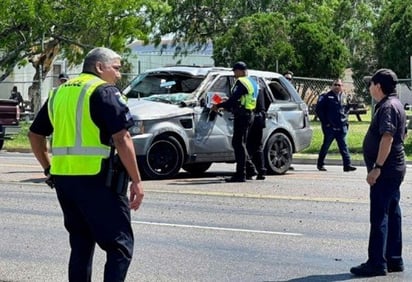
[{"x": 285, "y": 107}]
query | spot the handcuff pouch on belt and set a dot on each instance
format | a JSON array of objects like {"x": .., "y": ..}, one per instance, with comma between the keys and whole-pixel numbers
[{"x": 117, "y": 178}]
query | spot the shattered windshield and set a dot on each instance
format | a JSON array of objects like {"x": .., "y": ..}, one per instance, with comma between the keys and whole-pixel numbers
[{"x": 166, "y": 87}]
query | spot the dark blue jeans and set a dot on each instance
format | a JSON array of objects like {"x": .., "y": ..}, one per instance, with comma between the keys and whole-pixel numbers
[
  {"x": 385, "y": 239},
  {"x": 330, "y": 134}
]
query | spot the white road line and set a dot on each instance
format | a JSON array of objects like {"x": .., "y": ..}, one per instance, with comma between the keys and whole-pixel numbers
[{"x": 217, "y": 228}]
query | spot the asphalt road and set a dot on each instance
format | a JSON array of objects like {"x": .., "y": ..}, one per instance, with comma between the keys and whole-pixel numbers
[{"x": 303, "y": 226}]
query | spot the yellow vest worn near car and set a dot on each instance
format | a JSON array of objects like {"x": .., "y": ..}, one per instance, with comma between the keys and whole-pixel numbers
[
  {"x": 248, "y": 101},
  {"x": 76, "y": 146}
]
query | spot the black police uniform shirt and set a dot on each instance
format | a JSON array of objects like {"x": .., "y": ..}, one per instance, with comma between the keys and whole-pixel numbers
[
  {"x": 389, "y": 118},
  {"x": 332, "y": 110},
  {"x": 233, "y": 103},
  {"x": 108, "y": 111}
]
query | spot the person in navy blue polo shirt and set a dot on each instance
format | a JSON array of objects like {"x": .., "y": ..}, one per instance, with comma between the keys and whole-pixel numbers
[
  {"x": 332, "y": 110},
  {"x": 384, "y": 156}
]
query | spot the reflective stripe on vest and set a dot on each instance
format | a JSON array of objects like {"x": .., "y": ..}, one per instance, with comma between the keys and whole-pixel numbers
[
  {"x": 249, "y": 101},
  {"x": 78, "y": 159}
]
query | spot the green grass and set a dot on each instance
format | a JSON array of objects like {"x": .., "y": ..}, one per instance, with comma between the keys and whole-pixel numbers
[
  {"x": 19, "y": 141},
  {"x": 357, "y": 131}
]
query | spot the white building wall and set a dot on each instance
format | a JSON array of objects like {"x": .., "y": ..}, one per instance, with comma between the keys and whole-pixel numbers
[{"x": 22, "y": 77}]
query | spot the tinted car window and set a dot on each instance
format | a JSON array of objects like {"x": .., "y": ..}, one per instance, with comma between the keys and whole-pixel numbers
[{"x": 279, "y": 92}]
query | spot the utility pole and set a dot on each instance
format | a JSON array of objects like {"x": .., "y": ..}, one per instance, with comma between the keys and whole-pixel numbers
[{"x": 41, "y": 66}]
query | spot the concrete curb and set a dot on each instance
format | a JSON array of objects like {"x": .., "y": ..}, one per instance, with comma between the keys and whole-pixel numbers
[
  {"x": 309, "y": 159},
  {"x": 313, "y": 161}
]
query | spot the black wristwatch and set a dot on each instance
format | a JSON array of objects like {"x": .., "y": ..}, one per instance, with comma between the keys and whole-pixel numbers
[
  {"x": 47, "y": 171},
  {"x": 377, "y": 166}
]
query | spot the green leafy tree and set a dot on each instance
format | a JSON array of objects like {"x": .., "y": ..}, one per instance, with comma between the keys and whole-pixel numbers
[
  {"x": 393, "y": 36},
  {"x": 196, "y": 22},
  {"x": 261, "y": 40},
  {"x": 200, "y": 21},
  {"x": 320, "y": 52},
  {"x": 37, "y": 31}
]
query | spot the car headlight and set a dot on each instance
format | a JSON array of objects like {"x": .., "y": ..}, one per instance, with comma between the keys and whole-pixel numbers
[{"x": 137, "y": 128}]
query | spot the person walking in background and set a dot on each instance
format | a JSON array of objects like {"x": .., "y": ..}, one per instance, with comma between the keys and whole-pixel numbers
[
  {"x": 242, "y": 103},
  {"x": 86, "y": 115},
  {"x": 254, "y": 140},
  {"x": 384, "y": 156},
  {"x": 332, "y": 110}
]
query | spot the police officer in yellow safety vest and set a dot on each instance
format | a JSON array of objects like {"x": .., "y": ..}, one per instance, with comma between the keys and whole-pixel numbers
[
  {"x": 242, "y": 102},
  {"x": 86, "y": 115}
]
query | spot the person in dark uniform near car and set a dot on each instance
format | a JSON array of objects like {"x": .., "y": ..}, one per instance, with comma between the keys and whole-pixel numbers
[
  {"x": 288, "y": 75},
  {"x": 254, "y": 140},
  {"x": 242, "y": 103},
  {"x": 85, "y": 115},
  {"x": 384, "y": 156},
  {"x": 63, "y": 77},
  {"x": 332, "y": 110}
]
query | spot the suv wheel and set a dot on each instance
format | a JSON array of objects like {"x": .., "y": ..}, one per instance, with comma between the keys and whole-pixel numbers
[
  {"x": 163, "y": 159},
  {"x": 278, "y": 153},
  {"x": 197, "y": 169}
]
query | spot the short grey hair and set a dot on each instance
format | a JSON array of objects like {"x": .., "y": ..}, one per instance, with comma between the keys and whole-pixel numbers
[{"x": 99, "y": 54}]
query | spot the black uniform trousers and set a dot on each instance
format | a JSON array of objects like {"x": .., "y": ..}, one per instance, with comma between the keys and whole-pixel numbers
[
  {"x": 241, "y": 124},
  {"x": 385, "y": 238},
  {"x": 255, "y": 145},
  {"x": 95, "y": 214},
  {"x": 330, "y": 134}
]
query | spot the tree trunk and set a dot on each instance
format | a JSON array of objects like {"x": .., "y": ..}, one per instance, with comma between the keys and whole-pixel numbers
[{"x": 42, "y": 61}]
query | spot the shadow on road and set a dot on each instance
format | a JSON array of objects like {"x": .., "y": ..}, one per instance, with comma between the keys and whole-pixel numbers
[{"x": 323, "y": 278}]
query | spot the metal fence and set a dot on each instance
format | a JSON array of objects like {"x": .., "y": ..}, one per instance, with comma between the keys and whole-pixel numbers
[
  {"x": 308, "y": 88},
  {"x": 356, "y": 90}
]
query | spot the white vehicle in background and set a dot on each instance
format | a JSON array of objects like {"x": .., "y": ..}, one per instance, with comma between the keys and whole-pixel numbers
[
  {"x": 174, "y": 127},
  {"x": 405, "y": 95}
]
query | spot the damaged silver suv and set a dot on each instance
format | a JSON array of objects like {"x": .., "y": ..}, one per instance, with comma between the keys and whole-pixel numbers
[{"x": 174, "y": 127}]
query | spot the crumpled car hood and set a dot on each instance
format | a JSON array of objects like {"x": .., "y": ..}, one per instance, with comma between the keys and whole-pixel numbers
[{"x": 149, "y": 110}]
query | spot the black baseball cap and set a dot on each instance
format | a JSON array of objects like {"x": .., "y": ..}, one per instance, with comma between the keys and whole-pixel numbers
[{"x": 239, "y": 66}]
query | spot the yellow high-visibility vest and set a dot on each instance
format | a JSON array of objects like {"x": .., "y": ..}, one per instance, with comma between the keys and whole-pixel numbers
[
  {"x": 76, "y": 145},
  {"x": 249, "y": 101}
]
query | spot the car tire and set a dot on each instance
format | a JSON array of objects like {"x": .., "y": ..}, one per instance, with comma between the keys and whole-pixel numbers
[
  {"x": 163, "y": 159},
  {"x": 278, "y": 154},
  {"x": 197, "y": 169}
]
